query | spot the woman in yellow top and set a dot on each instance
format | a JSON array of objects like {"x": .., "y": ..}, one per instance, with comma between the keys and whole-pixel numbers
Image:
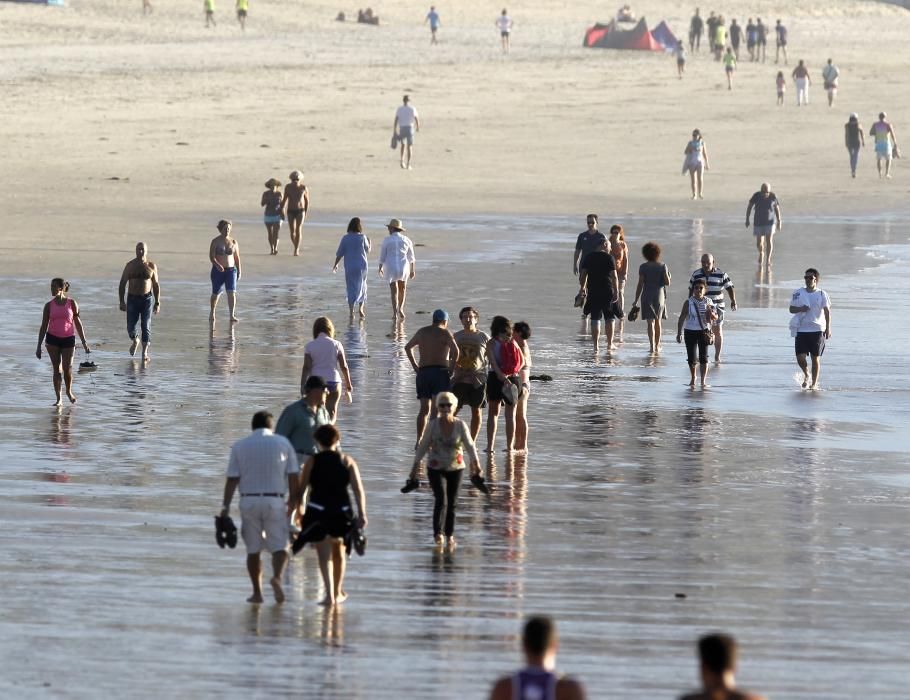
[
  {"x": 209, "y": 7},
  {"x": 729, "y": 67},
  {"x": 243, "y": 7}
]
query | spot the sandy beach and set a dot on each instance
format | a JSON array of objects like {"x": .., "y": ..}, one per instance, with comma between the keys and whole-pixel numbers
[
  {"x": 644, "y": 515},
  {"x": 191, "y": 121}
]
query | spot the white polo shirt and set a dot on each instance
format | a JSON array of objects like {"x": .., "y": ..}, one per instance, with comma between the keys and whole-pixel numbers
[
  {"x": 262, "y": 462},
  {"x": 406, "y": 115}
]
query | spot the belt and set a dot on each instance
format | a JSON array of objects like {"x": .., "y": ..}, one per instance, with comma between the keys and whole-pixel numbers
[{"x": 264, "y": 495}]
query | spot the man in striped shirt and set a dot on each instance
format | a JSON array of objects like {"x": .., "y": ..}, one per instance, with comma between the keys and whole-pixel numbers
[
  {"x": 717, "y": 281},
  {"x": 264, "y": 469}
]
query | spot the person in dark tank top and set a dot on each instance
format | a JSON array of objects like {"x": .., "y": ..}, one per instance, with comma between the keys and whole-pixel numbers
[{"x": 854, "y": 140}]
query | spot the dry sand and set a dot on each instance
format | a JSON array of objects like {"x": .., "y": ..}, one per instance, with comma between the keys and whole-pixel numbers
[{"x": 118, "y": 127}]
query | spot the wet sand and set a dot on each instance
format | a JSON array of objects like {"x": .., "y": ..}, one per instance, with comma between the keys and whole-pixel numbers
[{"x": 776, "y": 512}]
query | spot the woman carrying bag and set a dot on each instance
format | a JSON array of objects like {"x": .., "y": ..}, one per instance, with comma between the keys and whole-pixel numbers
[{"x": 695, "y": 319}]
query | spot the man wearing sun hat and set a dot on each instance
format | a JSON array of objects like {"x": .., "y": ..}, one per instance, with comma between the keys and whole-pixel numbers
[
  {"x": 438, "y": 359},
  {"x": 397, "y": 264}
]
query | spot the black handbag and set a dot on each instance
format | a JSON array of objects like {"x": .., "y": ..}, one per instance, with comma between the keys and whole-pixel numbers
[{"x": 708, "y": 332}]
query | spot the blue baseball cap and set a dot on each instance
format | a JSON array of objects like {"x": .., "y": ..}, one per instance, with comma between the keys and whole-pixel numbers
[{"x": 440, "y": 315}]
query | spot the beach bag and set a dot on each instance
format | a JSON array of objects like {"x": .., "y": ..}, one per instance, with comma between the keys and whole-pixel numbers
[
  {"x": 394, "y": 143},
  {"x": 510, "y": 358},
  {"x": 708, "y": 332}
]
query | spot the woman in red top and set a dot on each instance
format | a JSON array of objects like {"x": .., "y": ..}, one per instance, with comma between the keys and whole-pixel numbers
[{"x": 60, "y": 320}]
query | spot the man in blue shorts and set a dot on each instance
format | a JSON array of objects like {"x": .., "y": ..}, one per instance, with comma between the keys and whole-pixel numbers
[
  {"x": 438, "y": 358},
  {"x": 767, "y": 219}
]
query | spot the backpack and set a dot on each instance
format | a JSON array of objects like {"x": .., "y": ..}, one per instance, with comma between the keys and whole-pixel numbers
[{"x": 510, "y": 358}]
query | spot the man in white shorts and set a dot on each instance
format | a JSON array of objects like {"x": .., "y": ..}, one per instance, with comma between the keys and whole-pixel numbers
[
  {"x": 263, "y": 466},
  {"x": 406, "y": 124},
  {"x": 767, "y": 211}
]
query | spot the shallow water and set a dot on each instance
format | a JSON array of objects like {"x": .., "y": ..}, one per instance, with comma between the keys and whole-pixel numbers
[{"x": 779, "y": 514}]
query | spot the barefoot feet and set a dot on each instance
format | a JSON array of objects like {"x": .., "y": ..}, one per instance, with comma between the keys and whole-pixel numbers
[
  {"x": 277, "y": 589},
  {"x": 255, "y": 599},
  {"x": 134, "y": 346}
]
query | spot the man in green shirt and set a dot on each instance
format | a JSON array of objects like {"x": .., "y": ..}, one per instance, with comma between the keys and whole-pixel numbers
[{"x": 299, "y": 420}]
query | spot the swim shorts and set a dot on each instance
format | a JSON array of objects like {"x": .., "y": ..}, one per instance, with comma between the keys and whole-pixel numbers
[
  {"x": 883, "y": 150},
  {"x": 292, "y": 213},
  {"x": 62, "y": 343},
  {"x": 810, "y": 344},
  {"x": 406, "y": 135},
  {"x": 470, "y": 395},
  {"x": 226, "y": 279},
  {"x": 432, "y": 380}
]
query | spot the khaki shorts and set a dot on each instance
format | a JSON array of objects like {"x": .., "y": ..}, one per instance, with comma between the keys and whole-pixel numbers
[{"x": 264, "y": 523}]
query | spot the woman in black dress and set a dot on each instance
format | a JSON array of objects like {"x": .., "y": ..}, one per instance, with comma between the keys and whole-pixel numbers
[{"x": 328, "y": 473}]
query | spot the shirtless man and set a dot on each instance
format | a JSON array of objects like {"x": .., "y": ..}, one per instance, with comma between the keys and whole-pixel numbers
[
  {"x": 538, "y": 679},
  {"x": 294, "y": 205},
  {"x": 717, "y": 655},
  {"x": 438, "y": 357},
  {"x": 139, "y": 282}
]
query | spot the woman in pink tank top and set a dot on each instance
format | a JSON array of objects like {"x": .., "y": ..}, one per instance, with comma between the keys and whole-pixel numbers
[{"x": 58, "y": 326}]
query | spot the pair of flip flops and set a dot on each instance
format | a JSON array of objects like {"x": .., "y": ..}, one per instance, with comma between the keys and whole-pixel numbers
[
  {"x": 479, "y": 483},
  {"x": 225, "y": 531},
  {"x": 356, "y": 540},
  {"x": 87, "y": 366}
]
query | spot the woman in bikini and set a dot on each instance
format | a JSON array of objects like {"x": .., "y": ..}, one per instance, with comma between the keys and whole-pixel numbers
[
  {"x": 295, "y": 203},
  {"x": 225, "y": 256},
  {"x": 271, "y": 200},
  {"x": 61, "y": 318}
]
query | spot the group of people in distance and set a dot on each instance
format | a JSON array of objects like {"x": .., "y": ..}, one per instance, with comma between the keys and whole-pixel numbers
[
  {"x": 718, "y": 35},
  {"x": 601, "y": 265},
  {"x": 539, "y": 679}
]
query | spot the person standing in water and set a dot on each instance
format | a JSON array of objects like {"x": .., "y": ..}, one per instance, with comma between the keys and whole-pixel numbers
[
  {"x": 599, "y": 284},
  {"x": 438, "y": 359},
  {"x": 717, "y": 666},
  {"x": 717, "y": 281},
  {"x": 469, "y": 380},
  {"x": 397, "y": 264},
  {"x": 810, "y": 325},
  {"x": 224, "y": 252},
  {"x": 324, "y": 357},
  {"x": 354, "y": 248},
  {"x": 538, "y": 679},
  {"x": 140, "y": 282},
  {"x": 521, "y": 331},
  {"x": 505, "y": 360},
  {"x": 328, "y": 474},
  {"x": 653, "y": 280},
  {"x": 620, "y": 252},
  {"x": 271, "y": 200},
  {"x": 263, "y": 468},
  {"x": 59, "y": 325},
  {"x": 444, "y": 443},
  {"x": 295, "y": 204},
  {"x": 697, "y": 316},
  {"x": 588, "y": 241},
  {"x": 854, "y": 139},
  {"x": 767, "y": 220}
]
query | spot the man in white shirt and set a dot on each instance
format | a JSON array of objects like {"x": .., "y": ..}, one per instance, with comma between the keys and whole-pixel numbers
[
  {"x": 397, "y": 264},
  {"x": 406, "y": 124},
  {"x": 504, "y": 24},
  {"x": 265, "y": 469},
  {"x": 811, "y": 325},
  {"x": 830, "y": 74}
]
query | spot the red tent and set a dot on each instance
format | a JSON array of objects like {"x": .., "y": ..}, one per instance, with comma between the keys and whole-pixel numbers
[{"x": 615, "y": 36}]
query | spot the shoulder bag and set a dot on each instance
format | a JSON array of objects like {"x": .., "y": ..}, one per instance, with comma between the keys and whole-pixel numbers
[{"x": 708, "y": 332}]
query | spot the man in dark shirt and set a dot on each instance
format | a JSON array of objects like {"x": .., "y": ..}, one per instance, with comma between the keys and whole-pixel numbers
[
  {"x": 736, "y": 37},
  {"x": 762, "y": 39},
  {"x": 767, "y": 212},
  {"x": 588, "y": 241},
  {"x": 711, "y": 23},
  {"x": 780, "y": 32},
  {"x": 599, "y": 282},
  {"x": 696, "y": 29}
]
